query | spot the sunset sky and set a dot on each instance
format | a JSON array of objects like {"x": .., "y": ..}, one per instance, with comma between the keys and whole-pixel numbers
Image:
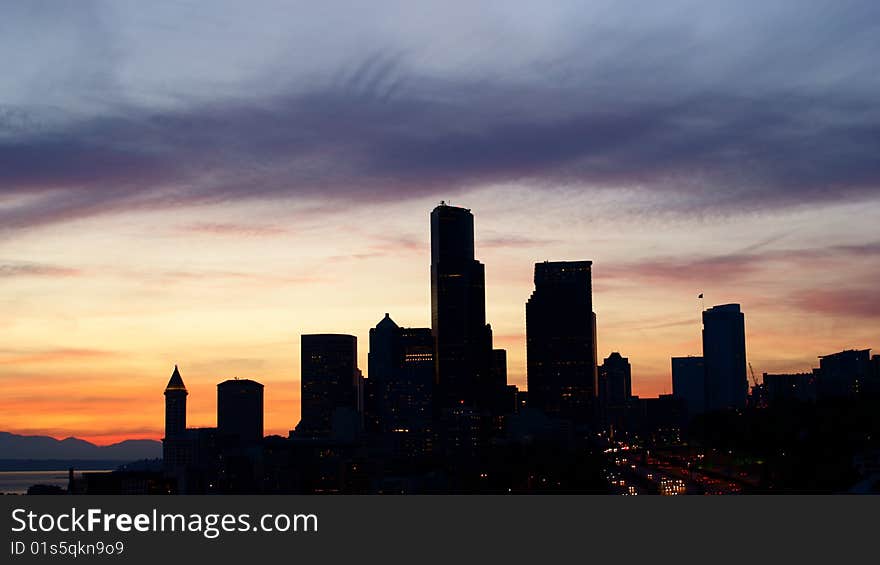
[{"x": 202, "y": 183}]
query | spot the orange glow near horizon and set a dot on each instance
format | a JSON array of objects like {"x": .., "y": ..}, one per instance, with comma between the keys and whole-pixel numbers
[{"x": 92, "y": 336}]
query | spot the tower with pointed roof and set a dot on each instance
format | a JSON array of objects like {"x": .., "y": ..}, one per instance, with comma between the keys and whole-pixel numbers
[{"x": 175, "y": 406}]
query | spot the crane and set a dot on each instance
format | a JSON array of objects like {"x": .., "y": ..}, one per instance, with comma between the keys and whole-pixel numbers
[{"x": 752, "y": 372}]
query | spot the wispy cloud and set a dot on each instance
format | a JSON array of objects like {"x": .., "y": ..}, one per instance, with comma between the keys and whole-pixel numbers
[
  {"x": 514, "y": 241},
  {"x": 55, "y": 355},
  {"x": 233, "y": 229},
  {"x": 27, "y": 269},
  {"x": 399, "y": 243},
  {"x": 359, "y": 256},
  {"x": 730, "y": 267},
  {"x": 652, "y": 325},
  {"x": 385, "y": 246},
  {"x": 208, "y": 275},
  {"x": 856, "y": 302}
]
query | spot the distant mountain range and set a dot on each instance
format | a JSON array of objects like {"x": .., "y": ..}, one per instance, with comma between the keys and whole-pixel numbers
[{"x": 13, "y": 446}]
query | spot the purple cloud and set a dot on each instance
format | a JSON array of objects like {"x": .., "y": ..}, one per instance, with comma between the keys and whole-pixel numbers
[
  {"x": 233, "y": 229},
  {"x": 698, "y": 124},
  {"x": 854, "y": 302},
  {"x": 20, "y": 269},
  {"x": 731, "y": 267}
]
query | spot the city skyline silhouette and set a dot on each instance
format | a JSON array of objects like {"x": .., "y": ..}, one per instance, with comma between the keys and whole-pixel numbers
[
  {"x": 662, "y": 386},
  {"x": 202, "y": 191},
  {"x": 436, "y": 413}
]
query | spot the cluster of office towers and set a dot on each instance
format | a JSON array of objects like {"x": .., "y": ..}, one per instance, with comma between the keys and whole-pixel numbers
[{"x": 444, "y": 389}]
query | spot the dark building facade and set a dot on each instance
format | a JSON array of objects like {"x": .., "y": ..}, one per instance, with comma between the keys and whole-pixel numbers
[
  {"x": 689, "y": 383},
  {"x": 499, "y": 368},
  {"x": 799, "y": 387},
  {"x": 615, "y": 380},
  {"x": 561, "y": 341},
  {"x": 503, "y": 397},
  {"x": 240, "y": 410},
  {"x": 332, "y": 386},
  {"x": 846, "y": 373},
  {"x": 724, "y": 355},
  {"x": 401, "y": 379},
  {"x": 462, "y": 339}
]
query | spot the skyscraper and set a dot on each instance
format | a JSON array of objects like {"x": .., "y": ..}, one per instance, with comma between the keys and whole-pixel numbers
[
  {"x": 240, "y": 410},
  {"x": 724, "y": 355},
  {"x": 401, "y": 376},
  {"x": 615, "y": 380},
  {"x": 331, "y": 382},
  {"x": 689, "y": 383},
  {"x": 499, "y": 369},
  {"x": 561, "y": 340},
  {"x": 463, "y": 340}
]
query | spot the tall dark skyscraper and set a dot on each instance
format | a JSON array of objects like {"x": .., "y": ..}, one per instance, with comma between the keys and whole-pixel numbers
[
  {"x": 401, "y": 376},
  {"x": 463, "y": 340},
  {"x": 240, "y": 410},
  {"x": 499, "y": 368},
  {"x": 615, "y": 380},
  {"x": 689, "y": 383},
  {"x": 561, "y": 340},
  {"x": 724, "y": 355},
  {"x": 332, "y": 386}
]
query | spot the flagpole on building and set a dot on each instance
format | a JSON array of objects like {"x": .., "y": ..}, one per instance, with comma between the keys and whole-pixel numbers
[{"x": 702, "y": 303}]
